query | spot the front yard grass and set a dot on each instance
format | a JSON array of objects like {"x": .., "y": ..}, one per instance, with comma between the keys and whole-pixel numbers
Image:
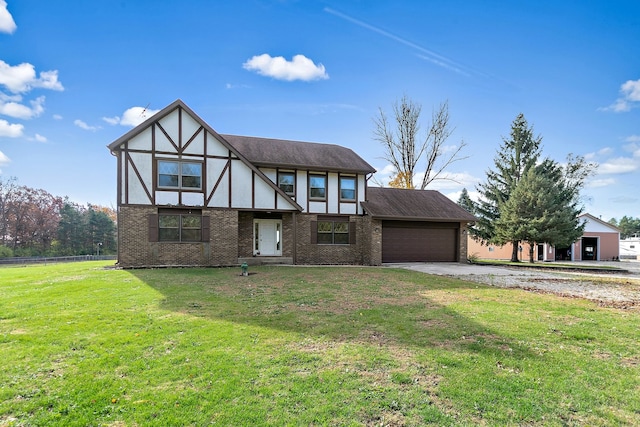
[{"x": 82, "y": 344}]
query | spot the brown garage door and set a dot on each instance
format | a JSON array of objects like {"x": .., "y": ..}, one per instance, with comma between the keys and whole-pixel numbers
[{"x": 419, "y": 241}]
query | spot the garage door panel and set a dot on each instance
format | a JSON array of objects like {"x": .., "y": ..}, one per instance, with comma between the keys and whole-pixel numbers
[{"x": 419, "y": 242}]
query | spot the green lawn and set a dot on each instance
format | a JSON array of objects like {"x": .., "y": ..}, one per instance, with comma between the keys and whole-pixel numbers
[{"x": 81, "y": 344}]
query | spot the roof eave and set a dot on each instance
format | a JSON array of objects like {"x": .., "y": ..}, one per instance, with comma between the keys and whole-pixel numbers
[
  {"x": 419, "y": 218},
  {"x": 311, "y": 168}
]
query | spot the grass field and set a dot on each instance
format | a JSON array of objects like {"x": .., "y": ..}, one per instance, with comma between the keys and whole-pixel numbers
[{"x": 82, "y": 344}]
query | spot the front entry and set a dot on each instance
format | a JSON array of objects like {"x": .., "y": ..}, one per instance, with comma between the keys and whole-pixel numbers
[{"x": 267, "y": 237}]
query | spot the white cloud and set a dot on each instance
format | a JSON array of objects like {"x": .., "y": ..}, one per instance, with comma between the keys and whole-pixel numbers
[
  {"x": 131, "y": 117},
  {"x": 598, "y": 154},
  {"x": 10, "y": 130},
  {"x": 21, "y": 111},
  {"x": 450, "y": 181},
  {"x": 300, "y": 68},
  {"x": 599, "y": 183},
  {"x": 230, "y": 86},
  {"x": 112, "y": 120},
  {"x": 3, "y": 160},
  {"x": 455, "y": 196},
  {"x": 629, "y": 96},
  {"x": 22, "y": 78},
  {"x": 57, "y": 117},
  {"x": 7, "y": 24},
  {"x": 633, "y": 148},
  {"x": 633, "y": 138},
  {"x": 83, "y": 125},
  {"x": 40, "y": 138},
  {"x": 618, "y": 166},
  {"x": 446, "y": 180}
]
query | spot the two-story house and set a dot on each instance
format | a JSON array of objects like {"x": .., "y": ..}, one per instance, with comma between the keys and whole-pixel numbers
[{"x": 190, "y": 196}]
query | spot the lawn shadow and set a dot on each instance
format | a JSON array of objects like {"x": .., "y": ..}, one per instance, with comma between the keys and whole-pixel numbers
[{"x": 349, "y": 304}]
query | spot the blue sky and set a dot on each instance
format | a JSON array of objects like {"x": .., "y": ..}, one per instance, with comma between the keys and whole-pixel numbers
[{"x": 76, "y": 75}]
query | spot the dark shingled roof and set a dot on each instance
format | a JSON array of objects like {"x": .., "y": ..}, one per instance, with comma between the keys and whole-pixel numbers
[
  {"x": 401, "y": 204},
  {"x": 280, "y": 153}
]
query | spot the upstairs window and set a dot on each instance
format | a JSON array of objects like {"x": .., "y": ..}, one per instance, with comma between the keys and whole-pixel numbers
[
  {"x": 287, "y": 182},
  {"x": 177, "y": 174},
  {"x": 317, "y": 187},
  {"x": 348, "y": 188}
]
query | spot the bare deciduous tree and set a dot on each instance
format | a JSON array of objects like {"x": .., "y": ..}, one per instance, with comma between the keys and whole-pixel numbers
[{"x": 405, "y": 151}]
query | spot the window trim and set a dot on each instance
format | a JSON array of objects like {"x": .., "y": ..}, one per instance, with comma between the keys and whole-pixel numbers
[
  {"x": 355, "y": 188},
  {"x": 349, "y": 233},
  {"x": 202, "y": 230},
  {"x": 309, "y": 188},
  {"x": 293, "y": 175},
  {"x": 180, "y": 175}
]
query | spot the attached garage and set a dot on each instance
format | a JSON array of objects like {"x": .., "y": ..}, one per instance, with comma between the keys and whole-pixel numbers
[
  {"x": 418, "y": 225},
  {"x": 409, "y": 241}
]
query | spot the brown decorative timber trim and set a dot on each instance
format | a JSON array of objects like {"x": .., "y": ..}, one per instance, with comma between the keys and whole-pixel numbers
[
  {"x": 168, "y": 137},
  {"x": 230, "y": 189},
  {"x": 135, "y": 169},
  {"x": 215, "y": 187},
  {"x": 275, "y": 195},
  {"x": 154, "y": 163},
  {"x": 194, "y": 137},
  {"x": 126, "y": 173},
  {"x": 204, "y": 166},
  {"x": 253, "y": 189},
  {"x": 180, "y": 132}
]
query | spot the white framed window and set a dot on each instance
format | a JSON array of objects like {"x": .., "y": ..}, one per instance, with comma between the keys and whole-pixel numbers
[
  {"x": 348, "y": 188},
  {"x": 317, "y": 187},
  {"x": 287, "y": 182},
  {"x": 179, "y": 174}
]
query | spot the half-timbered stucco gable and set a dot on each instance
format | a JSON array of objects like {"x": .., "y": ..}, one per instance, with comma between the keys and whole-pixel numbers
[{"x": 174, "y": 158}]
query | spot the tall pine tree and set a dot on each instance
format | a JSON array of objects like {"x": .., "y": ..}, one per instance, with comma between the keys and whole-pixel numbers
[
  {"x": 516, "y": 156},
  {"x": 542, "y": 208}
]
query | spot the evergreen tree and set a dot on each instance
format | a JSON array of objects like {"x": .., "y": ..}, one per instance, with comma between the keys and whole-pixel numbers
[
  {"x": 516, "y": 156},
  {"x": 100, "y": 231},
  {"x": 628, "y": 226},
  {"x": 565, "y": 184},
  {"x": 71, "y": 229},
  {"x": 541, "y": 209},
  {"x": 465, "y": 202}
]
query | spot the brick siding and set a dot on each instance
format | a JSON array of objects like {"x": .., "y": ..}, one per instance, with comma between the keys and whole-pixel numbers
[
  {"x": 360, "y": 253},
  {"x": 135, "y": 249},
  {"x": 231, "y": 236}
]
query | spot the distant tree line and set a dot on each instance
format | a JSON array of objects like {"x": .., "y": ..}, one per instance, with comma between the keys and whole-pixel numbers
[
  {"x": 628, "y": 226},
  {"x": 34, "y": 222}
]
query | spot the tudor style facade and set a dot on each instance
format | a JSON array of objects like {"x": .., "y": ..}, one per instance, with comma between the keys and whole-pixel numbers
[{"x": 190, "y": 196}]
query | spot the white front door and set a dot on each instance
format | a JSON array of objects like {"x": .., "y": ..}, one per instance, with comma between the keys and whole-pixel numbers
[{"x": 267, "y": 237}]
